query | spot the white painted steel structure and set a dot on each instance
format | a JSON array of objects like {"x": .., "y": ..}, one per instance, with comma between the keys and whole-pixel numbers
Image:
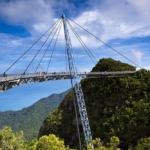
[
  {"x": 13, "y": 80},
  {"x": 77, "y": 86}
]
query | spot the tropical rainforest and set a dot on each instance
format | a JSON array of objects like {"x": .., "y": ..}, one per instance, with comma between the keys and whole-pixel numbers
[
  {"x": 118, "y": 110},
  {"x": 116, "y": 106}
]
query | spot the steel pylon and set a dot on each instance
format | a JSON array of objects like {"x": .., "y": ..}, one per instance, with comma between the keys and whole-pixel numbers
[{"x": 77, "y": 85}]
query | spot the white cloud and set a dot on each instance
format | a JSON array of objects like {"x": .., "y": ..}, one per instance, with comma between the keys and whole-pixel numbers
[
  {"x": 106, "y": 19},
  {"x": 27, "y": 13},
  {"x": 16, "y": 42},
  {"x": 147, "y": 68},
  {"x": 137, "y": 54},
  {"x": 106, "y": 26}
]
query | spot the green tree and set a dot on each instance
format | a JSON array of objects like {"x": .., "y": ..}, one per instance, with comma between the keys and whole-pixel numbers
[
  {"x": 32, "y": 145},
  {"x": 98, "y": 145},
  {"x": 143, "y": 144},
  {"x": 50, "y": 142},
  {"x": 114, "y": 142},
  {"x": 10, "y": 140}
]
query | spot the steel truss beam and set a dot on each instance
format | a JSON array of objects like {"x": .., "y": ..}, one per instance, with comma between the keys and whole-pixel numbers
[{"x": 11, "y": 81}]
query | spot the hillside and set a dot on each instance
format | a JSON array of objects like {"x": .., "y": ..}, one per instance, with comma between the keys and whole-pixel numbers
[
  {"x": 116, "y": 107},
  {"x": 30, "y": 119}
]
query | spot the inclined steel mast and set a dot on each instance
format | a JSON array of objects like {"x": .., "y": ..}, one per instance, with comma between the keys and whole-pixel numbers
[{"x": 77, "y": 85}]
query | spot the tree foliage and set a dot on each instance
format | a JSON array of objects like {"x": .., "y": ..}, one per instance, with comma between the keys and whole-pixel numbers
[
  {"x": 143, "y": 144},
  {"x": 50, "y": 142},
  {"x": 97, "y": 144},
  {"x": 10, "y": 140},
  {"x": 108, "y": 64},
  {"x": 115, "y": 106},
  {"x": 114, "y": 142},
  {"x": 15, "y": 141}
]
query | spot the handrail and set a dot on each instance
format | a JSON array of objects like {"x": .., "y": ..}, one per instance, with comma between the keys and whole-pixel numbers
[
  {"x": 67, "y": 73},
  {"x": 9, "y": 77}
]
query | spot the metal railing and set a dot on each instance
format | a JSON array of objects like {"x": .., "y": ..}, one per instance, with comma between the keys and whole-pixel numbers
[{"x": 8, "y": 77}]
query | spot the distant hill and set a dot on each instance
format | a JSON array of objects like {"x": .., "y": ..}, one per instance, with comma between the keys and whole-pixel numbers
[{"x": 30, "y": 119}]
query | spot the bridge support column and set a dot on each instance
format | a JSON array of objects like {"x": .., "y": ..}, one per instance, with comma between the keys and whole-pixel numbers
[{"x": 76, "y": 84}]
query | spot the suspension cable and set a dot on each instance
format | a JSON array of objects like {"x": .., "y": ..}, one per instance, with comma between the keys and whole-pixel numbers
[
  {"x": 31, "y": 46},
  {"x": 83, "y": 44},
  {"x": 47, "y": 46},
  {"x": 37, "y": 53},
  {"x": 54, "y": 47},
  {"x": 104, "y": 43},
  {"x": 66, "y": 55},
  {"x": 66, "y": 58}
]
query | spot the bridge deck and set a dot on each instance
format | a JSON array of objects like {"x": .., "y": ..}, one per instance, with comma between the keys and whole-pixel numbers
[{"x": 12, "y": 80}]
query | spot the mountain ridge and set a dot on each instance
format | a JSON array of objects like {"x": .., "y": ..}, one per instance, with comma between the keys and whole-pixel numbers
[{"x": 29, "y": 119}]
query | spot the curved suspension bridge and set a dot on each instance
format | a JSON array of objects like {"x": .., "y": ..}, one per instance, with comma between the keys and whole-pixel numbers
[
  {"x": 12, "y": 80},
  {"x": 8, "y": 81}
]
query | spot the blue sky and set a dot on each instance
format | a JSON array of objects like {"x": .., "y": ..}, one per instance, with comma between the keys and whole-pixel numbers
[{"x": 123, "y": 24}]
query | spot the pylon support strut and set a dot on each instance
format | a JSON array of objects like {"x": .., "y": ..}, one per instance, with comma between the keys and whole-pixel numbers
[{"x": 77, "y": 85}]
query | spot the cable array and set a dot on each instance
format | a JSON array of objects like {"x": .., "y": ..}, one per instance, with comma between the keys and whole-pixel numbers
[
  {"x": 54, "y": 29},
  {"x": 48, "y": 44},
  {"x": 32, "y": 46},
  {"x": 54, "y": 47},
  {"x": 37, "y": 52},
  {"x": 83, "y": 44},
  {"x": 104, "y": 43}
]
